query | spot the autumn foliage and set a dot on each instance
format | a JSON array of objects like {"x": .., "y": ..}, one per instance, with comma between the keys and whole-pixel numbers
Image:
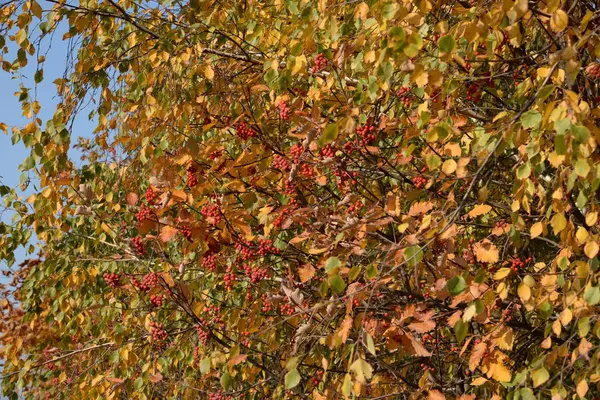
[{"x": 297, "y": 199}]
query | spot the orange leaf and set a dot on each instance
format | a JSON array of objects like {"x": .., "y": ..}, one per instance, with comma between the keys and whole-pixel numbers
[
  {"x": 306, "y": 272},
  {"x": 166, "y": 233},
  {"x": 132, "y": 198},
  {"x": 436, "y": 395},
  {"x": 486, "y": 251},
  {"x": 345, "y": 328}
]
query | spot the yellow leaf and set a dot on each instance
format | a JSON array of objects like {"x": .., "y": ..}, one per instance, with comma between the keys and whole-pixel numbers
[
  {"x": 581, "y": 235},
  {"x": 591, "y": 218},
  {"x": 559, "y": 21},
  {"x": 524, "y": 292},
  {"x": 559, "y": 223},
  {"x": 566, "y": 316},
  {"x": 582, "y": 388},
  {"x": 501, "y": 273},
  {"x": 97, "y": 379},
  {"x": 209, "y": 73},
  {"x": 449, "y": 166},
  {"x": 361, "y": 11},
  {"x": 486, "y": 251},
  {"x": 536, "y": 229},
  {"x": 420, "y": 76},
  {"x": 480, "y": 209},
  {"x": 539, "y": 376},
  {"x": 591, "y": 249},
  {"x": 299, "y": 64},
  {"x": 499, "y": 372},
  {"x": 479, "y": 381}
]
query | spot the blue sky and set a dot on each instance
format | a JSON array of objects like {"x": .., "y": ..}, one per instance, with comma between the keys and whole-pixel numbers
[{"x": 11, "y": 156}]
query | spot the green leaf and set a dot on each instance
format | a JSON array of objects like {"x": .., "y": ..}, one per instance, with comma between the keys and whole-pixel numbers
[
  {"x": 226, "y": 381},
  {"x": 337, "y": 284},
  {"x": 446, "y": 43},
  {"x": 433, "y": 161},
  {"x": 527, "y": 394},
  {"x": 205, "y": 365},
  {"x": 581, "y": 133},
  {"x": 460, "y": 330},
  {"x": 347, "y": 386},
  {"x": 413, "y": 255},
  {"x": 592, "y": 296},
  {"x": 539, "y": 376},
  {"x": 330, "y": 133},
  {"x": 332, "y": 262},
  {"x": 524, "y": 171},
  {"x": 370, "y": 344},
  {"x": 456, "y": 285},
  {"x": 531, "y": 119},
  {"x": 292, "y": 379},
  {"x": 582, "y": 167}
]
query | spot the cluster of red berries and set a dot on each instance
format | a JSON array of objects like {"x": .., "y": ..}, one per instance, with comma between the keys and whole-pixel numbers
[
  {"x": 281, "y": 217},
  {"x": 245, "y": 341},
  {"x": 203, "y": 334},
  {"x": 468, "y": 256},
  {"x": 506, "y": 315},
  {"x": 474, "y": 92},
  {"x": 159, "y": 334},
  {"x": 186, "y": 232},
  {"x": 517, "y": 263},
  {"x": 306, "y": 170},
  {"x": 139, "y": 285},
  {"x": 280, "y": 162},
  {"x": 138, "y": 245},
  {"x": 355, "y": 207},
  {"x": 144, "y": 213},
  {"x": 286, "y": 309},
  {"x": 406, "y": 96},
  {"x": 209, "y": 262},
  {"x": 425, "y": 367},
  {"x": 215, "y": 154},
  {"x": 320, "y": 63},
  {"x": 296, "y": 152},
  {"x": 256, "y": 274},
  {"x": 367, "y": 133},
  {"x": 290, "y": 188},
  {"x": 156, "y": 300},
  {"x": 150, "y": 280},
  {"x": 212, "y": 211},
  {"x": 328, "y": 151},
  {"x": 501, "y": 224},
  {"x": 192, "y": 180},
  {"x": 219, "y": 396},
  {"x": 284, "y": 111},
  {"x": 229, "y": 279},
  {"x": 316, "y": 379},
  {"x": 593, "y": 71},
  {"x": 112, "y": 279},
  {"x": 245, "y": 248},
  {"x": 244, "y": 131},
  {"x": 265, "y": 246},
  {"x": 419, "y": 181},
  {"x": 151, "y": 195},
  {"x": 266, "y": 304},
  {"x": 349, "y": 147}
]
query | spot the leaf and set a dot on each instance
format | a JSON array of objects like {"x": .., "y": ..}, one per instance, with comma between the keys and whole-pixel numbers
[
  {"x": 524, "y": 292},
  {"x": 558, "y": 222},
  {"x": 292, "y": 379},
  {"x": 456, "y": 285},
  {"x": 345, "y": 328},
  {"x": 480, "y": 209},
  {"x": 413, "y": 255},
  {"x": 479, "y": 350},
  {"x": 166, "y": 233},
  {"x": 306, "y": 272},
  {"x": 332, "y": 262},
  {"x": 361, "y": 11},
  {"x": 531, "y": 119},
  {"x": 536, "y": 229},
  {"x": 370, "y": 343},
  {"x": 591, "y": 249},
  {"x": 446, "y": 43},
  {"x": 539, "y": 376},
  {"x": 582, "y": 167},
  {"x": 330, "y": 133},
  {"x": 226, "y": 381},
  {"x": 582, "y": 388},
  {"x": 524, "y": 171},
  {"x": 337, "y": 284},
  {"x": 131, "y": 198},
  {"x": 209, "y": 73},
  {"x": 500, "y": 372},
  {"x": 559, "y": 21},
  {"x": 362, "y": 370},
  {"x": 435, "y": 395},
  {"x": 486, "y": 251},
  {"x": 461, "y": 328},
  {"x": 592, "y": 295},
  {"x": 501, "y": 273}
]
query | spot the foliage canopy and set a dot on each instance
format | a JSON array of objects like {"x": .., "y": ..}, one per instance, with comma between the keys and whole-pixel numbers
[{"x": 308, "y": 199}]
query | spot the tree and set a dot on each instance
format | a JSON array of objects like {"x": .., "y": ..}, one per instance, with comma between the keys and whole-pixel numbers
[{"x": 308, "y": 199}]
